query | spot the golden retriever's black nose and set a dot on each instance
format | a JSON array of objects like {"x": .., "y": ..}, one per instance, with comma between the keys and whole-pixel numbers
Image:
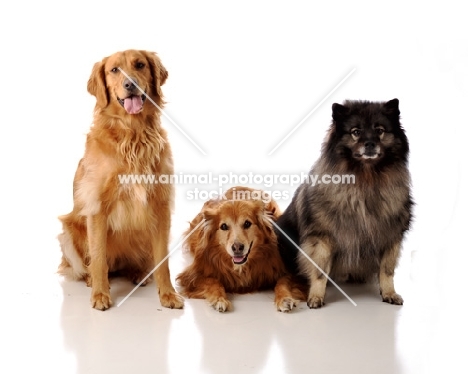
[
  {"x": 128, "y": 84},
  {"x": 237, "y": 248}
]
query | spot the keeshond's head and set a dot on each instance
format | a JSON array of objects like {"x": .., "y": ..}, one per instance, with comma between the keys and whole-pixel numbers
[{"x": 366, "y": 134}]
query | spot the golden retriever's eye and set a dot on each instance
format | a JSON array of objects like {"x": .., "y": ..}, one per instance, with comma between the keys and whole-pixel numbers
[
  {"x": 356, "y": 132},
  {"x": 139, "y": 65},
  {"x": 247, "y": 224},
  {"x": 114, "y": 70},
  {"x": 224, "y": 227}
]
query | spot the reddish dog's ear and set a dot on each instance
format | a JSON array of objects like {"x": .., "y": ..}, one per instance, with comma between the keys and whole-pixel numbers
[
  {"x": 209, "y": 214},
  {"x": 263, "y": 222},
  {"x": 272, "y": 209},
  {"x": 158, "y": 71},
  {"x": 97, "y": 84},
  {"x": 207, "y": 229}
]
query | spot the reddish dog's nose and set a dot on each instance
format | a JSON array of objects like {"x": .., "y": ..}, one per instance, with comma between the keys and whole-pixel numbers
[{"x": 237, "y": 247}]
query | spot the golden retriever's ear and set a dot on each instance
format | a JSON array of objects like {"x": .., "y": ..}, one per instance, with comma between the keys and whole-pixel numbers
[
  {"x": 97, "y": 84},
  {"x": 158, "y": 71}
]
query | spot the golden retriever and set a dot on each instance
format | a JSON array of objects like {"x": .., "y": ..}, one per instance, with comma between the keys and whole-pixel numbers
[
  {"x": 118, "y": 227},
  {"x": 235, "y": 251}
]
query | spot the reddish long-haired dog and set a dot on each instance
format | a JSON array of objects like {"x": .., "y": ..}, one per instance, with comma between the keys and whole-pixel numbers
[
  {"x": 118, "y": 227},
  {"x": 235, "y": 251}
]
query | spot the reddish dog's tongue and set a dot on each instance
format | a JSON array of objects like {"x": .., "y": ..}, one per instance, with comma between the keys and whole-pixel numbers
[
  {"x": 133, "y": 104},
  {"x": 238, "y": 259}
]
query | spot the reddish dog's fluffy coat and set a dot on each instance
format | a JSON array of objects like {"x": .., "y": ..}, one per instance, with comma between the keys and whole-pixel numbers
[
  {"x": 116, "y": 227},
  {"x": 235, "y": 250}
]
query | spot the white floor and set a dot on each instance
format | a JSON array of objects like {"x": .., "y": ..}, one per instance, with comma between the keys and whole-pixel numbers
[{"x": 49, "y": 326}]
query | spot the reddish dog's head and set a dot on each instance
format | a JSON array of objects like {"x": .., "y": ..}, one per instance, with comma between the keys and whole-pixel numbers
[
  {"x": 125, "y": 79},
  {"x": 238, "y": 227}
]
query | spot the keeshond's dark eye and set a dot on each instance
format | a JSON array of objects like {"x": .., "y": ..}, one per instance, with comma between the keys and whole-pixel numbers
[
  {"x": 224, "y": 227},
  {"x": 379, "y": 131},
  {"x": 356, "y": 132},
  {"x": 247, "y": 224}
]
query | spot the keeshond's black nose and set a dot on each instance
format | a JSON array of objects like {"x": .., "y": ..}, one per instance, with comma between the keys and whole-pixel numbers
[{"x": 369, "y": 146}]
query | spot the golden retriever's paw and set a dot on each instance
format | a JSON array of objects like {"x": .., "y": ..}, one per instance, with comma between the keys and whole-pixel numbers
[
  {"x": 101, "y": 301},
  {"x": 88, "y": 280},
  {"x": 315, "y": 302},
  {"x": 222, "y": 305},
  {"x": 392, "y": 298},
  {"x": 139, "y": 277},
  {"x": 286, "y": 304},
  {"x": 171, "y": 300}
]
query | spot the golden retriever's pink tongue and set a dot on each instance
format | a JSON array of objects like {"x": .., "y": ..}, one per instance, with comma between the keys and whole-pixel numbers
[{"x": 133, "y": 104}]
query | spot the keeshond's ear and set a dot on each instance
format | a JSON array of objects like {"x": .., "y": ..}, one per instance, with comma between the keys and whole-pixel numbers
[
  {"x": 391, "y": 108},
  {"x": 339, "y": 112}
]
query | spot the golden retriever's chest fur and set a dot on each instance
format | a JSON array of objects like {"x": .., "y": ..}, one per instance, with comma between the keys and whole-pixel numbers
[
  {"x": 129, "y": 211},
  {"x": 113, "y": 182}
]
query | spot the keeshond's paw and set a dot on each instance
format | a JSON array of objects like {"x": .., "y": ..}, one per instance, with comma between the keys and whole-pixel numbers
[
  {"x": 392, "y": 298},
  {"x": 286, "y": 305},
  {"x": 315, "y": 302}
]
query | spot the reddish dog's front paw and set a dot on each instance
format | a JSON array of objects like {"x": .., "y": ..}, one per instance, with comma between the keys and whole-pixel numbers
[
  {"x": 286, "y": 304},
  {"x": 101, "y": 301},
  {"x": 171, "y": 300},
  {"x": 222, "y": 305}
]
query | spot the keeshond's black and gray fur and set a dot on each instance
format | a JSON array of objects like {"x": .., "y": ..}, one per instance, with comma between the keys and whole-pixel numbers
[{"x": 353, "y": 230}]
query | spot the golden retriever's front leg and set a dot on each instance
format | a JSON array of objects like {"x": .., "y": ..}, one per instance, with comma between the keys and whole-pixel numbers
[
  {"x": 387, "y": 269},
  {"x": 160, "y": 242},
  {"x": 98, "y": 269}
]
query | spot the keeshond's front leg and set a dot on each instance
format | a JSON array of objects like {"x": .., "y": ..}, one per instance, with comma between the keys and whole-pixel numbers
[
  {"x": 387, "y": 270},
  {"x": 314, "y": 265}
]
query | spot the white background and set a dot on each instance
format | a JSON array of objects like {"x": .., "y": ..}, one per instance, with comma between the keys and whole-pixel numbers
[{"x": 241, "y": 76}]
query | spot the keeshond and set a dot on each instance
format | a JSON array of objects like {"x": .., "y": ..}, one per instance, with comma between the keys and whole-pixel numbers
[{"x": 353, "y": 229}]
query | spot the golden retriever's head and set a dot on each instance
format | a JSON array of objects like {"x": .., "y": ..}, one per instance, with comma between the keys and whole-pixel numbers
[
  {"x": 239, "y": 227},
  {"x": 124, "y": 80}
]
